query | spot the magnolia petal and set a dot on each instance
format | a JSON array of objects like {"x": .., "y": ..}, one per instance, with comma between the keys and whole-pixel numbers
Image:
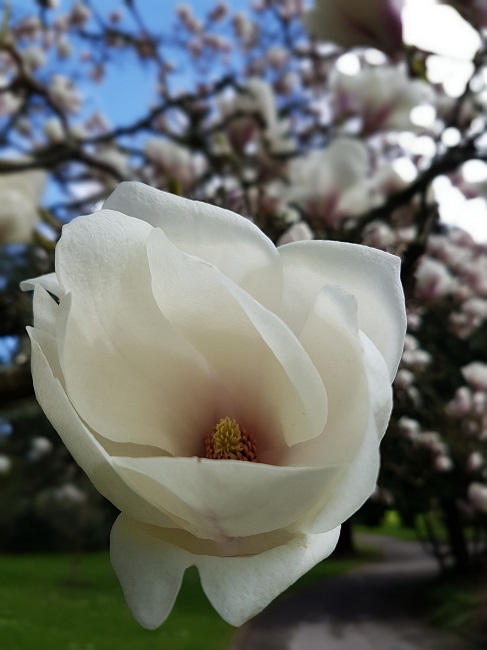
[
  {"x": 222, "y": 499},
  {"x": 331, "y": 338},
  {"x": 380, "y": 391},
  {"x": 150, "y": 569},
  {"x": 49, "y": 282},
  {"x": 261, "y": 578},
  {"x": 128, "y": 373},
  {"x": 232, "y": 243},
  {"x": 370, "y": 275},
  {"x": 45, "y": 310},
  {"x": 86, "y": 451},
  {"x": 265, "y": 371},
  {"x": 359, "y": 479}
]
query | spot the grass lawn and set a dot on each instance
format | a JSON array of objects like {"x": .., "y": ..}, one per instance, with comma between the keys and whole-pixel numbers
[{"x": 40, "y": 611}]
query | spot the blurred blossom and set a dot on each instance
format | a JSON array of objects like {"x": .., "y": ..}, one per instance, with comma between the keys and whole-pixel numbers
[
  {"x": 476, "y": 375},
  {"x": 171, "y": 159},
  {"x": 53, "y": 130},
  {"x": 79, "y": 14},
  {"x": 39, "y": 448},
  {"x": 20, "y": 195},
  {"x": 34, "y": 58},
  {"x": 64, "y": 93},
  {"x": 5, "y": 464},
  {"x": 443, "y": 464},
  {"x": 433, "y": 280},
  {"x": 382, "y": 96},
  {"x": 329, "y": 183},
  {"x": 461, "y": 403},
  {"x": 404, "y": 379},
  {"x": 114, "y": 159},
  {"x": 474, "y": 11},
  {"x": 244, "y": 28},
  {"x": 477, "y": 493},
  {"x": 297, "y": 232},
  {"x": 351, "y": 23},
  {"x": 474, "y": 461},
  {"x": 70, "y": 494},
  {"x": 409, "y": 426},
  {"x": 379, "y": 235}
]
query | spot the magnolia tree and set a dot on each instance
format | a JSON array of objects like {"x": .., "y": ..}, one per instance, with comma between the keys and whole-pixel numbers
[{"x": 314, "y": 124}]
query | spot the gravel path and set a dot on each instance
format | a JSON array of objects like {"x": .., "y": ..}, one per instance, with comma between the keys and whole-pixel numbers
[{"x": 374, "y": 608}]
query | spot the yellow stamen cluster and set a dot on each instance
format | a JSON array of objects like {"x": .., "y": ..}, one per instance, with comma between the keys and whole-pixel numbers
[{"x": 229, "y": 442}]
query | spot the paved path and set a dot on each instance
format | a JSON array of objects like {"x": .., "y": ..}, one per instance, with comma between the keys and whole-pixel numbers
[{"x": 374, "y": 608}]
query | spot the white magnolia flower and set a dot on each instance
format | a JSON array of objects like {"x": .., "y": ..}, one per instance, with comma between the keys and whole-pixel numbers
[
  {"x": 19, "y": 197},
  {"x": 382, "y": 96},
  {"x": 183, "y": 341},
  {"x": 351, "y": 23},
  {"x": 329, "y": 183}
]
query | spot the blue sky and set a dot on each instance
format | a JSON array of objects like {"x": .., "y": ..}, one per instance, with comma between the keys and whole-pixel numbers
[{"x": 128, "y": 88}]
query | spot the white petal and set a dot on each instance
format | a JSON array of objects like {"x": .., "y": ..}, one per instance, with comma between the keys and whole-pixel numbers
[
  {"x": 49, "y": 282},
  {"x": 150, "y": 571},
  {"x": 150, "y": 564},
  {"x": 238, "y": 248},
  {"x": 86, "y": 451},
  {"x": 128, "y": 373},
  {"x": 270, "y": 382},
  {"x": 240, "y": 587},
  {"x": 45, "y": 310},
  {"x": 370, "y": 275},
  {"x": 223, "y": 499},
  {"x": 331, "y": 338},
  {"x": 360, "y": 478}
]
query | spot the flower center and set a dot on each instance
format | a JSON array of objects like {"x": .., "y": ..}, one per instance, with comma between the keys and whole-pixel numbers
[{"x": 228, "y": 441}]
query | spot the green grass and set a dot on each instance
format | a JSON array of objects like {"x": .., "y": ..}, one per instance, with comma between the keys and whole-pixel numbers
[{"x": 40, "y": 611}]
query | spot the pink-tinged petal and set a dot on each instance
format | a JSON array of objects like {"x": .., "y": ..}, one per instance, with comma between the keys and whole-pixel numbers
[
  {"x": 49, "y": 282},
  {"x": 130, "y": 375},
  {"x": 232, "y": 243},
  {"x": 359, "y": 479},
  {"x": 150, "y": 563},
  {"x": 222, "y": 499},
  {"x": 268, "y": 382},
  {"x": 370, "y": 275},
  {"x": 86, "y": 451},
  {"x": 330, "y": 335}
]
